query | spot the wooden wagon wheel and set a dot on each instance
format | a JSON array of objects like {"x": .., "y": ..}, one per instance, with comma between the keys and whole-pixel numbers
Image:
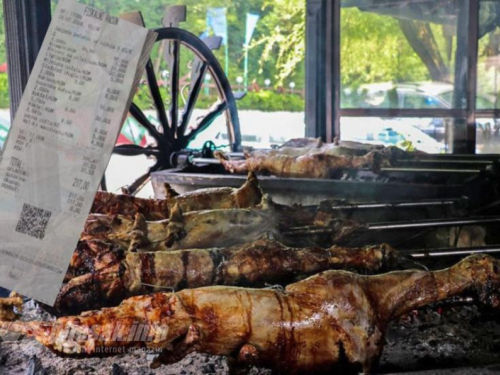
[{"x": 175, "y": 129}]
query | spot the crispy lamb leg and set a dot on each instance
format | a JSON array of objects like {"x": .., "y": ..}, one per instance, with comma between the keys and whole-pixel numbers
[
  {"x": 248, "y": 195},
  {"x": 311, "y": 165},
  {"x": 192, "y": 230},
  {"x": 117, "y": 275},
  {"x": 330, "y": 319}
]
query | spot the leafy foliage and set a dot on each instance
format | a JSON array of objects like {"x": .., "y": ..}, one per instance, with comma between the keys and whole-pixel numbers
[
  {"x": 4, "y": 91},
  {"x": 285, "y": 41},
  {"x": 2, "y": 35},
  {"x": 373, "y": 49}
]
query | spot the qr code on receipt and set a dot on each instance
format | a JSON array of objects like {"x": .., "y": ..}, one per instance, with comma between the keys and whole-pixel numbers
[{"x": 33, "y": 221}]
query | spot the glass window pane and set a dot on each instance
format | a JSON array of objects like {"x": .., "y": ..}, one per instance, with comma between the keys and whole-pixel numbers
[
  {"x": 271, "y": 70},
  {"x": 402, "y": 54},
  {"x": 425, "y": 134},
  {"x": 488, "y": 67},
  {"x": 488, "y": 135}
]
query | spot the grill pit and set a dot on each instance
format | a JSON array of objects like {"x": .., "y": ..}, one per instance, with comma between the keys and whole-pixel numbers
[{"x": 442, "y": 339}]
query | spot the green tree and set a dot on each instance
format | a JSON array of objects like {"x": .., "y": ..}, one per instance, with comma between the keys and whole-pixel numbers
[
  {"x": 283, "y": 40},
  {"x": 3, "y": 56}
]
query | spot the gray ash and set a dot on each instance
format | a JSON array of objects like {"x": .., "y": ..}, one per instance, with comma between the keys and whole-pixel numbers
[
  {"x": 433, "y": 340},
  {"x": 443, "y": 337}
]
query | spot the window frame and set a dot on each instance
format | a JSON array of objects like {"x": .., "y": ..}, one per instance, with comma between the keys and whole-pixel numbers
[
  {"x": 464, "y": 135},
  {"x": 26, "y": 22}
]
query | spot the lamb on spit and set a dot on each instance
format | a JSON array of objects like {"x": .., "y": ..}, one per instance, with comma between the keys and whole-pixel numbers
[
  {"x": 331, "y": 319},
  {"x": 116, "y": 275},
  {"x": 191, "y": 230},
  {"x": 248, "y": 195},
  {"x": 105, "y": 234},
  {"x": 311, "y": 158},
  {"x": 318, "y": 164}
]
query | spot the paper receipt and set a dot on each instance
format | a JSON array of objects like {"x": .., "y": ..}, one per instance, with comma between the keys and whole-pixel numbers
[{"x": 61, "y": 141}]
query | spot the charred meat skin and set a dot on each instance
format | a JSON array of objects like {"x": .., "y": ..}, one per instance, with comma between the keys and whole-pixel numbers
[
  {"x": 248, "y": 195},
  {"x": 117, "y": 275},
  {"x": 330, "y": 319},
  {"x": 87, "y": 257},
  {"x": 122, "y": 204},
  {"x": 191, "y": 230}
]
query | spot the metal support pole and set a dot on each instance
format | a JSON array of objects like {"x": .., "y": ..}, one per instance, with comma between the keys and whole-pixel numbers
[
  {"x": 316, "y": 14},
  {"x": 472, "y": 75},
  {"x": 333, "y": 88},
  {"x": 462, "y": 136},
  {"x": 26, "y": 22}
]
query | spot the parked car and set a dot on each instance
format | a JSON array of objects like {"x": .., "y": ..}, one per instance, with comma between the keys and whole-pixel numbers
[
  {"x": 418, "y": 95},
  {"x": 258, "y": 129},
  {"x": 389, "y": 132}
]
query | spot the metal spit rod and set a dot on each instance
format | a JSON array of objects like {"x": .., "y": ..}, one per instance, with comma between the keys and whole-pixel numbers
[
  {"x": 429, "y": 170},
  {"x": 444, "y": 252},
  {"x": 205, "y": 161},
  {"x": 433, "y": 223},
  {"x": 409, "y": 204},
  {"x": 432, "y": 161},
  {"x": 385, "y": 169}
]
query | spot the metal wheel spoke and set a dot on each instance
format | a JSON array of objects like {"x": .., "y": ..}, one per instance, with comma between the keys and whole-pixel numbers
[
  {"x": 215, "y": 111},
  {"x": 197, "y": 77},
  {"x": 171, "y": 136},
  {"x": 136, "y": 112},
  {"x": 134, "y": 150},
  {"x": 139, "y": 183},
  {"x": 172, "y": 55},
  {"x": 157, "y": 98},
  {"x": 104, "y": 185}
]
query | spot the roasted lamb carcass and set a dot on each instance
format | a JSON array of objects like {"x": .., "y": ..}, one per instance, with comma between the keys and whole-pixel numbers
[
  {"x": 318, "y": 164},
  {"x": 335, "y": 318},
  {"x": 311, "y": 158},
  {"x": 191, "y": 230},
  {"x": 248, "y": 195},
  {"x": 104, "y": 234},
  {"x": 116, "y": 275}
]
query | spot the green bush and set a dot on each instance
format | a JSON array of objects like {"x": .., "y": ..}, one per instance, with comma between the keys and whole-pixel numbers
[
  {"x": 270, "y": 101},
  {"x": 264, "y": 100},
  {"x": 4, "y": 91}
]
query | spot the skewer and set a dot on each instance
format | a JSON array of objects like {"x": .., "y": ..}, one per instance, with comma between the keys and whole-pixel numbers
[
  {"x": 450, "y": 161},
  {"x": 428, "y": 170},
  {"x": 382, "y": 170},
  {"x": 445, "y": 252},
  {"x": 493, "y": 157},
  {"x": 435, "y": 223},
  {"x": 407, "y": 204},
  {"x": 420, "y": 224},
  {"x": 205, "y": 161}
]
